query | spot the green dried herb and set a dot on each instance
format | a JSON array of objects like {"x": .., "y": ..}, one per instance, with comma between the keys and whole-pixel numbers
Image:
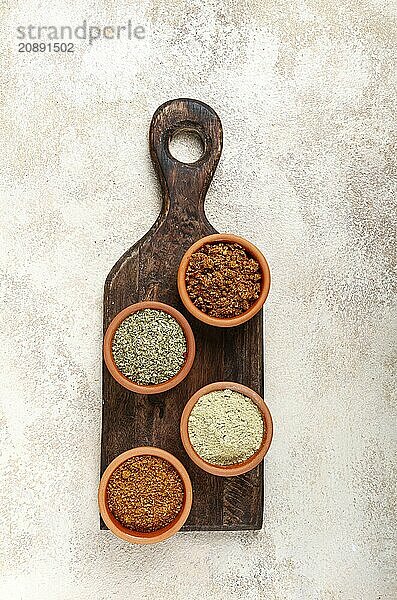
[
  {"x": 149, "y": 347},
  {"x": 225, "y": 427}
]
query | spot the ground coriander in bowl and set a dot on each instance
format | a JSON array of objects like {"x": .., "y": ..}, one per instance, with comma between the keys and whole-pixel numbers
[
  {"x": 225, "y": 427},
  {"x": 145, "y": 493},
  {"x": 149, "y": 347}
]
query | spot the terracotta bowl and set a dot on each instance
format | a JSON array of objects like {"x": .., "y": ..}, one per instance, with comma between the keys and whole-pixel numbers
[
  {"x": 137, "y": 537},
  {"x": 253, "y": 251},
  {"x": 252, "y": 461},
  {"x": 160, "y": 387}
]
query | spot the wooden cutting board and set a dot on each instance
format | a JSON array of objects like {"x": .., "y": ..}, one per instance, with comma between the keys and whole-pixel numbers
[{"x": 148, "y": 271}]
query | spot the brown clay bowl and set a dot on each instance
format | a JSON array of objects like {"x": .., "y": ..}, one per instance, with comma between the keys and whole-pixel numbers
[
  {"x": 137, "y": 537},
  {"x": 252, "y": 461},
  {"x": 253, "y": 251},
  {"x": 160, "y": 387}
]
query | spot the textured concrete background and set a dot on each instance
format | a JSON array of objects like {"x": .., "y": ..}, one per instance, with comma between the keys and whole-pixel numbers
[{"x": 306, "y": 93}]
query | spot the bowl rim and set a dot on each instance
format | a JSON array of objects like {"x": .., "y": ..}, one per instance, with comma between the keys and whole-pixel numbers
[
  {"x": 153, "y": 537},
  {"x": 253, "y": 251},
  {"x": 157, "y": 388},
  {"x": 239, "y": 468}
]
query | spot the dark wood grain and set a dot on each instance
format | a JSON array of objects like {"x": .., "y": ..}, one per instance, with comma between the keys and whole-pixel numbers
[{"x": 148, "y": 271}]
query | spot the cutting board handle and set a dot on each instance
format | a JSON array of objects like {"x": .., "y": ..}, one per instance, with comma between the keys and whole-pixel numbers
[{"x": 185, "y": 185}]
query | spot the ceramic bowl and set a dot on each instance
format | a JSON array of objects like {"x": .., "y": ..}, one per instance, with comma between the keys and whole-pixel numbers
[
  {"x": 160, "y": 387},
  {"x": 252, "y": 461},
  {"x": 136, "y": 537},
  {"x": 252, "y": 251}
]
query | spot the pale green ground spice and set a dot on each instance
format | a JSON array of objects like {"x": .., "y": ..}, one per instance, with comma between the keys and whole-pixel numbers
[
  {"x": 149, "y": 347},
  {"x": 225, "y": 427}
]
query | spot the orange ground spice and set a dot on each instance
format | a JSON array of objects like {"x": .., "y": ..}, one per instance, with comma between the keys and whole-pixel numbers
[{"x": 145, "y": 493}]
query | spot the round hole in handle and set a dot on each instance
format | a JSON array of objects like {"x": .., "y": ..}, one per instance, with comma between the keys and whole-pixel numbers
[{"x": 186, "y": 145}]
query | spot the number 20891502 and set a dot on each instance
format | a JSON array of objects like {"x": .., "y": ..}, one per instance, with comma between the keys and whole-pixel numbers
[{"x": 45, "y": 47}]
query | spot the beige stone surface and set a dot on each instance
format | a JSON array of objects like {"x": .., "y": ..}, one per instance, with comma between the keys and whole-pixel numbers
[{"x": 306, "y": 92}]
